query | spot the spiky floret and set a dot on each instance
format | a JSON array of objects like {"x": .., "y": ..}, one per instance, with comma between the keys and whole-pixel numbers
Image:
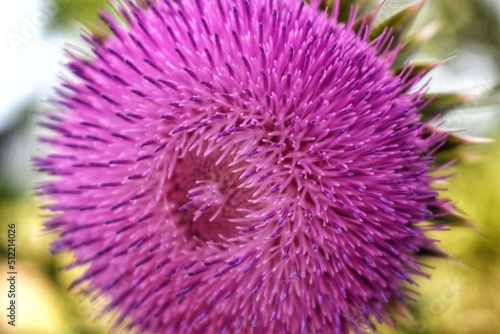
[{"x": 251, "y": 165}]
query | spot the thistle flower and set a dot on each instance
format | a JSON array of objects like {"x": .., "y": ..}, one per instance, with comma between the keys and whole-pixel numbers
[{"x": 250, "y": 165}]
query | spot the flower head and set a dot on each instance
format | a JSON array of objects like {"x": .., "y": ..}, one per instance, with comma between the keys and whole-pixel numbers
[{"x": 254, "y": 165}]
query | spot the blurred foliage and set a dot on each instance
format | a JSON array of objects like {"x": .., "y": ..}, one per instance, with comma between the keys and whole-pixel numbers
[
  {"x": 464, "y": 22},
  {"x": 463, "y": 295},
  {"x": 44, "y": 305},
  {"x": 12, "y": 139},
  {"x": 70, "y": 12}
]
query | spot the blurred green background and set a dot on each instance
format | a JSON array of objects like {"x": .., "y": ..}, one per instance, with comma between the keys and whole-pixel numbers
[{"x": 463, "y": 295}]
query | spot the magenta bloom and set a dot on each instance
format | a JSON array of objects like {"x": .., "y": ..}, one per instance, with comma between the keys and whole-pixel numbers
[{"x": 246, "y": 165}]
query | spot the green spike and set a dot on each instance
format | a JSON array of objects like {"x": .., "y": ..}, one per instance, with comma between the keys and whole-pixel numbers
[
  {"x": 441, "y": 103},
  {"x": 365, "y": 20},
  {"x": 398, "y": 23},
  {"x": 413, "y": 43},
  {"x": 451, "y": 149},
  {"x": 418, "y": 69},
  {"x": 454, "y": 141},
  {"x": 454, "y": 219},
  {"x": 432, "y": 252}
]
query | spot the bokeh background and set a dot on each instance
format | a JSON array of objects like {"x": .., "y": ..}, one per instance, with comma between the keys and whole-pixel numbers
[{"x": 463, "y": 296}]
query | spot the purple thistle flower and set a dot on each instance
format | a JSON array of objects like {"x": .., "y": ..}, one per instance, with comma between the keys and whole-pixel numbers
[{"x": 246, "y": 165}]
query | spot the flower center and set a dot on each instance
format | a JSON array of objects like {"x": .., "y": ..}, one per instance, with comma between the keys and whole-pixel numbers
[{"x": 209, "y": 198}]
